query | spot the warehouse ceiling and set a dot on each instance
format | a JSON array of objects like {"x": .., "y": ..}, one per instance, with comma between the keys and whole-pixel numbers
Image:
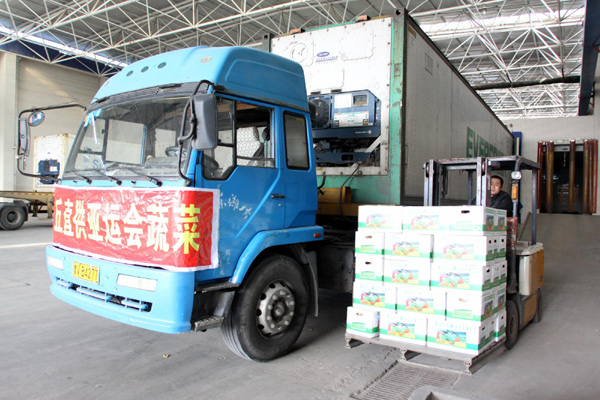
[{"x": 506, "y": 47}]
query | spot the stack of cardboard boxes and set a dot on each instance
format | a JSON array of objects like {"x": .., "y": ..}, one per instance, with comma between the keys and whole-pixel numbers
[{"x": 430, "y": 276}]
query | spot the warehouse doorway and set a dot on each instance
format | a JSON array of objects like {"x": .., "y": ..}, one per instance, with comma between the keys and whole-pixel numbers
[{"x": 569, "y": 178}]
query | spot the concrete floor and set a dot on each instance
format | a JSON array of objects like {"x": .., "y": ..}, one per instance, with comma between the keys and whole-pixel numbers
[{"x": 51, "y": 350}]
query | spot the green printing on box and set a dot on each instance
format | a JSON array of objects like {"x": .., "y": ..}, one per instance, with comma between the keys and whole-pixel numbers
[
  {"x": 459, "y": 280},
  {"x": 423, "y": 223},
  {"x": 373, "y": 299},
  {"x": 457, "y": 338},
  {"x": 367, "y": 249},
  {"x": 419, "y": 304},
  {"x": 406, "y": 249},
  {"x": 501, "y": 332},
  {"x": 367, "y": 275},
  {"x": 407, "y": 276},
  {"x": 462, "y": 252},
  {"x": 361, "y": 327},
  {"x": 402, "y": 329}
]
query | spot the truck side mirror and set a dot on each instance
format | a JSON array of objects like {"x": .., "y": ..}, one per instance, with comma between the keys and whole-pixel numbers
[
  {"x": 205, "y": 114},
  {"x": 35, "y": 118},
  {"x": 23, "y": 137}
]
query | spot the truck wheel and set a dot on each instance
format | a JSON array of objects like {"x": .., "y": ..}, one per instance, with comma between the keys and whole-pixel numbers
[
  {"x": 269, "y": 311},
  {"x": 512, "y": 324},
  {"x": 538, "y": 312},
  {"x": 12, "y": 217}
]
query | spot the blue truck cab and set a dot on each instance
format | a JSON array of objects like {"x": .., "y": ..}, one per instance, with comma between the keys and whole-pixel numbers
[{"x": 232, "y": 124}]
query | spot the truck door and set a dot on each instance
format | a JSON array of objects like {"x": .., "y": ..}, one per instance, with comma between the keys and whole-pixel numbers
[
  {"x": 299, "y": 172},
  {"x": 243, "y": 168}
]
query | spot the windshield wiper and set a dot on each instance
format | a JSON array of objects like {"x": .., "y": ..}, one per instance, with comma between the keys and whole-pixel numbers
[
  {"x": 110, "y": 178},
  {"x": 147, "y": 177},
  {"x": 85, "y": 178}
]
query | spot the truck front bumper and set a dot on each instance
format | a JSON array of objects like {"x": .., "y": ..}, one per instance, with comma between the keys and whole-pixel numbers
[{"x": 149, "y": 298}]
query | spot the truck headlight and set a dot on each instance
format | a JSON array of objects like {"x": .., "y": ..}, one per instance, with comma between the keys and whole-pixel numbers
[
  {"x": 515, "y": 175},
  {"x": 135, "y": 282},
  {"x": 54, "y": 262}
]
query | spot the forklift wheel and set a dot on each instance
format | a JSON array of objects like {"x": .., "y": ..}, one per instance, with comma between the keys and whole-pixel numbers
[
  {"x": 538, "y": 313},
  {"x": 269, "y": 311},
  {"x": 512, "y": 324}
]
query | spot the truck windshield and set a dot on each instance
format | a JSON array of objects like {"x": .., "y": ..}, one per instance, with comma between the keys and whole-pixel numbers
[{"x": 130, "y": 139}]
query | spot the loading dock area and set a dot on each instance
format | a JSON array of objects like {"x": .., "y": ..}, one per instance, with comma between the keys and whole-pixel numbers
[{"x": 52, "y": 350}]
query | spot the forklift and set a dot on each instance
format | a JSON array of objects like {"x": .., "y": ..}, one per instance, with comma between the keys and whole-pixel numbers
[{"x": 525, "y": 259}]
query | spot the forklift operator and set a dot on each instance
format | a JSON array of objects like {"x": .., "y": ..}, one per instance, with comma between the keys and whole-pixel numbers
[{"x": 500, "y": 199}]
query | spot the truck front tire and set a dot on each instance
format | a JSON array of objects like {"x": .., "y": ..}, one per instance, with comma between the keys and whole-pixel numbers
[
  {"x": 12, "y": 217},
  {"x": 269, "y": 311}
]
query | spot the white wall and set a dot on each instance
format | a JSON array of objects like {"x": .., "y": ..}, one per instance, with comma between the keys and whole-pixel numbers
[
  {"x": 545, "y": 129},
  {"x": 27, "y": 83}
]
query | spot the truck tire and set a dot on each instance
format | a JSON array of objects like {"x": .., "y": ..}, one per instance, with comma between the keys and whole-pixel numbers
[
  {"x": 538, "y": 312},
  {"x": 12, "y": 217},
  {"x": 269, "y": 311},
  {"x": 512, "y": 324}
]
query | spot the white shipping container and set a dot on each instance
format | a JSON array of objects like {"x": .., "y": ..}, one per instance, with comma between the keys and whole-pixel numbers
[{"x": 54, "y": 147}]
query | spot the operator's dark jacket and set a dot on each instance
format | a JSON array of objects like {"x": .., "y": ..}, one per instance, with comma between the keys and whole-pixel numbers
[{"x": 503, "y": 201}]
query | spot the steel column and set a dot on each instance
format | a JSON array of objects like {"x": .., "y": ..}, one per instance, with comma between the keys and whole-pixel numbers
[
  {"x": 572, "y": 176},
  {"x": 549, "y": 176}
]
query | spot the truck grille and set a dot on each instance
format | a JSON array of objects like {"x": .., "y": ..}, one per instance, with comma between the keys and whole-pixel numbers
[{"x": 134, "y": 304}]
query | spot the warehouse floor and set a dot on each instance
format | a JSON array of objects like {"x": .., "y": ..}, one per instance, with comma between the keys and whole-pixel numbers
[{"x": 52, "y": 350}]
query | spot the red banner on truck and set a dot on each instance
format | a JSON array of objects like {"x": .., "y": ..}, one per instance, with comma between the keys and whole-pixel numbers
[{"x": 171, "y": 228}]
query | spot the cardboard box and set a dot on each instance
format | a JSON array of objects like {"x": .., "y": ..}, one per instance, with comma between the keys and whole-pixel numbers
[
  {"x": 403, "y": 327},
  {"x": 362, "y": 322},
  {"x": 470, "y": 220},
  {"x": 500, "y": 248},
  {"x": 408, "y": 246},
  {"x": 460, "y": 336},
  {"x": 406, "y": 272},
  {"x": 499, "y": 272},
  {"x": 500, "y": 298},
  {"x": 368, "y": 268},
  {"x": 422, "y": 300},
  {"x": 500, "y": 326},
  {"x": 423, "y": 220},
  {"x": 380, "y": 218},
  {"x": 501, "y": 221},
  {"x": 471, "y": 306},
  {"x": 460, "y": 248},
  {"x": 451, "y": 275},
  {"x": 369, "y": 243},
  {"x": 373, "y": 296}
]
